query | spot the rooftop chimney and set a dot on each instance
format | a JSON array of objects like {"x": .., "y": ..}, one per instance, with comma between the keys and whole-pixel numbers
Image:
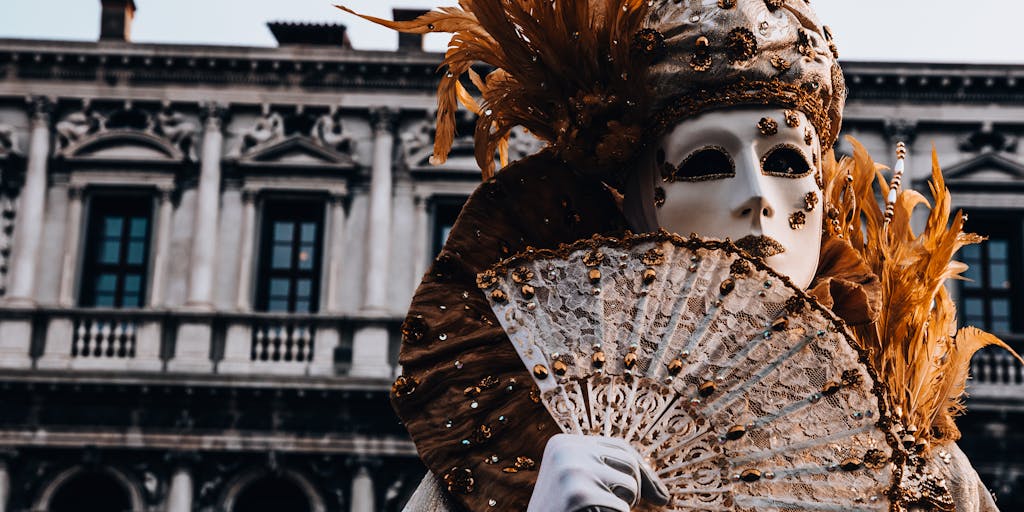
[
  {"x": 116, "y": 20},
  {"x": 408, "y": 42}
]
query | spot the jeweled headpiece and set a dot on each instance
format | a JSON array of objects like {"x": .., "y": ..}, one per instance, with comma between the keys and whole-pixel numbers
[
  {"x": 755, "y": 52},
  {"x": 595, "y": 79}
]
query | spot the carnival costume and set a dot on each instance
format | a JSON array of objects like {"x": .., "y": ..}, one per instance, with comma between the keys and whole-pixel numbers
[{"x": 492, "y": 368}]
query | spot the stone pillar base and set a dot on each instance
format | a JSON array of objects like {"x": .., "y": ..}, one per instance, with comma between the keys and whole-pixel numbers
[
  {"x": 192, "y": 349},
  {"x": 15, "y": 343},
  {"x": 370, "y": 352}
]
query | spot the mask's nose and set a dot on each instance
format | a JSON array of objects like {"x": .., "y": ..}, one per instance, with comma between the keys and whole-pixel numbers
[{"x": 750, "y": 199}]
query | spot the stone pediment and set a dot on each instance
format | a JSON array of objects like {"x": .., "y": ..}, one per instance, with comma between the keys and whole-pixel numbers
[
  {"x": 295, "y": 151},
  {"x": 986, "y": 170},
  {"x": 124, "y": 146}
]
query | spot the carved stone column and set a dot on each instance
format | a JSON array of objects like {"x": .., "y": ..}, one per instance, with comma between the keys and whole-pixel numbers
[
  {"x": 163, "y": 248},
  {"x": 370, "y": 342},
  {"x": 179, "y": 495},
  {"x": 72, "y": 237},
  {"x": 28, "y": 228},
  {"x": 5, "y": 486},
  {"x": 204, "y": 241},
  {"x": 362, "y": 491},
  {"x": 243, "y": 300},
  {"x": 378, "y": 238},
  {"x": 335, "y": 255},
  {"x": 424, "y": 239}
]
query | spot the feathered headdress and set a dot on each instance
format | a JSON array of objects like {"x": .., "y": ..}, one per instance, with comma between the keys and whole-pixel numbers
[
  {"x": 914, "y": 346},
  {"x": 560, "y": 68},
  {"x": 596, "y": 79}
]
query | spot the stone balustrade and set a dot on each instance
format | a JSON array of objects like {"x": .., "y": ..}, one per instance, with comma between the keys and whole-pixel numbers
[{"x": 237, "y": 344}]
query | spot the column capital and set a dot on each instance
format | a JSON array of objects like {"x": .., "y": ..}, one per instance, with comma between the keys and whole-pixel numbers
[
  {"x": 901, "y": 130},
  {"x": 183, "y": 459},
  {"x": 40, "y": 108},
  {"x": 336, "y": 199},
  {"x": 76, "y": 191},
  {"x": 384, "y": 119},
  {"x": 213, "y": 114},
  {"x": 249, "y": 195},
  {"x": 166, "y": 194}
]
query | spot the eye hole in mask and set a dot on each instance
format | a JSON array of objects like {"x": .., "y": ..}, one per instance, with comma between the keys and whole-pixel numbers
[
  {"x": 705, "y": 164},
  {"x": 785, "y": 161}
]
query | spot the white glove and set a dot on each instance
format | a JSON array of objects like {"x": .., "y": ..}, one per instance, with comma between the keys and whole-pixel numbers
[{"x": 581, "y": 473}]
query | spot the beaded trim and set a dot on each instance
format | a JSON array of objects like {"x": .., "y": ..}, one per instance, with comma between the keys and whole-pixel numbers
[{"x": 745, "y": 92}]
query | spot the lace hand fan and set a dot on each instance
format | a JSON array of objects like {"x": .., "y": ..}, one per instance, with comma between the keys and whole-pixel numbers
[{"x": 740, "y": 390}]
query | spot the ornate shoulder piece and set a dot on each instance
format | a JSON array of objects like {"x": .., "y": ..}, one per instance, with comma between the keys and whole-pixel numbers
[{"x": 913, "y": 346}]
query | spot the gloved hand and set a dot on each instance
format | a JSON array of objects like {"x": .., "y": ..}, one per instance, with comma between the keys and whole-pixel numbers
[{"x": 584, "y": 473}]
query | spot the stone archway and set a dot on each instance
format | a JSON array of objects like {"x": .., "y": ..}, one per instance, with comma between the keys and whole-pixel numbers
[
  {"x": 264, "y": 491},
  {"x": 103, "y": 489}
]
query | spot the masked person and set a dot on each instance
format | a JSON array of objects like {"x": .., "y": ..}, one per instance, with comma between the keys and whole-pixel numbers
[{"x": 712, "y": 117}]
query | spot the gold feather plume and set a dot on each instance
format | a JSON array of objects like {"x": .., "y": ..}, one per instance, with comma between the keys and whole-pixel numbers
[
  {"x": 914, "y": 346},
  {"x": 565, "y": 70}
]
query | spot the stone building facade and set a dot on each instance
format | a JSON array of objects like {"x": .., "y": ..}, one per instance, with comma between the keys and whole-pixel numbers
[{"x": 206, "y": 253}]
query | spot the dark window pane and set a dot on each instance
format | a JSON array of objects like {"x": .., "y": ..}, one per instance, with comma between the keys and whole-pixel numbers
[
  {"x": 132, "y": 300},
  {"x": 1001, "y": 308},
  {"x": 138, "y": 228},
  {"x": 106, "y": 283},
  {"x": 132, "y": 283},
  {"x": 302, "y": 306},
  {"x": 279, "y": 287},
  {"x": 974, "y": 309},
  {"x": 282, "y": 257},
  {"x": 112, "y": 227},
  {"x": 445, "y": 231},
  {"x": 111, "y": 252},
  {"x": 277, "y": 305},
  {"x": 999, "y": 276},
  {"x": 136, "y": 253},
  {"x": 308, "y": 232},
  {"x": 283, "y": 231},
  {"x": 303, "y": 288},
  {"x": 1000, "y": 326},
  {"x": 998, "y": 249},
  {"x": 306, "y": 253},
  {"x": 973, "y": 274},
  {"x": 104, "y": 300}
]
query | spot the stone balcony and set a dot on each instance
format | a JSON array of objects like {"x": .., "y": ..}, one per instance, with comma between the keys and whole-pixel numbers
[
  {"x": 997, "y": 378},
  {"x": 262, "y": 345}
]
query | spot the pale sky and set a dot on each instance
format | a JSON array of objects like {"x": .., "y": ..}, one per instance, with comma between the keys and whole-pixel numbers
[{"x": 978, "y": 31}]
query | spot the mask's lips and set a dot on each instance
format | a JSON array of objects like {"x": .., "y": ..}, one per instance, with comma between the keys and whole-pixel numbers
[{"x": 760, "y": 246}]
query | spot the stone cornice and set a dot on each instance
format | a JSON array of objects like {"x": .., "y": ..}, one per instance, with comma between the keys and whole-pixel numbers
[{"x": 326, "y": 69}]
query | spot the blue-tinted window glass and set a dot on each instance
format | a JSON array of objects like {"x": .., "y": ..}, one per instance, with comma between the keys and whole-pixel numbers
[
  {"x": 132, "y": 283},
  {"x": 283, "y": 231},
  {"x": 282, "y": 257},
  {"x": 280, "y": 287},
  {"x": 138, "y": 229},
  {"x": 136, "y": 253},
  {"x": 308, "y": 232},
  {"x": 306, "y": 253},
  {"x": 112, "y": 227},
  {"x": 999, "y": 276},
  {"x": 111, "y": 252},
  {"x": 106, "y": 283}
]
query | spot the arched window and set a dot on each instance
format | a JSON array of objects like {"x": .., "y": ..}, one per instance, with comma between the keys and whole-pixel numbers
[
  {"x": 272, "y": 494},
  {"x": 100, "y": 491}
]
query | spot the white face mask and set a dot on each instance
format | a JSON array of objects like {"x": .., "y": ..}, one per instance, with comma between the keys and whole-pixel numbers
[{"x": 727, "y": 174}]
